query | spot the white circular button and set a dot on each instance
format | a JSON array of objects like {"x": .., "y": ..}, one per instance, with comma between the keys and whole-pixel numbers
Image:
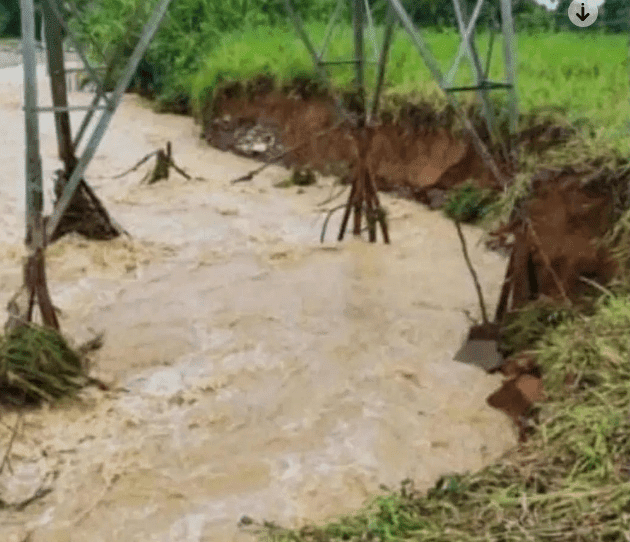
[{"x": 582, "y": 13}]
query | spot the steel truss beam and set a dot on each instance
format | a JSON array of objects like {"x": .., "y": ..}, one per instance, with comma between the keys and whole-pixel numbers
[
  {"x": 36, "y": 231},
  {"x": 111, "y": 104},
  {"x": 397, "y": 15}
]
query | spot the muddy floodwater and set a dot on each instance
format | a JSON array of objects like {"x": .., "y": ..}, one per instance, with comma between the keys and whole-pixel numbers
[{"x": 256, "y": 371}]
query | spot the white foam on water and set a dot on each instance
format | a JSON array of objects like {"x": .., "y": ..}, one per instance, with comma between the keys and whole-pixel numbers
[{"x": 188, "y": 529}]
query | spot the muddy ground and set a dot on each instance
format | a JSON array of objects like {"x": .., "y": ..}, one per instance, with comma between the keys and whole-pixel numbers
[{"x": 255, "y": 371}]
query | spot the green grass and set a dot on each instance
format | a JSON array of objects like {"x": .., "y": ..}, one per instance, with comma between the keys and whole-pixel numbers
[
  {"x": 581, "y": 78},
  {"x": 36, "y": 363},
  {"x": 468, "y": 203}
]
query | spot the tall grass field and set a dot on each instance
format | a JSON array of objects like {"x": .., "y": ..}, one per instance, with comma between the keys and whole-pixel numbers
[{"x": 582, "y": 78}]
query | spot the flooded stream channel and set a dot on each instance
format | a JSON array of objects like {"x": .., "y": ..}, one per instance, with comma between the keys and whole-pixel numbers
[{"x": 257, "y": 372}]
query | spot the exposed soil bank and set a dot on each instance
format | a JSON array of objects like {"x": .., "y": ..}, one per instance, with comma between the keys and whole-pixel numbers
[
  {"x": 564, "y": 243},
  {"x": 412, "y": 154},
  {"x": 415, "y": 152}
]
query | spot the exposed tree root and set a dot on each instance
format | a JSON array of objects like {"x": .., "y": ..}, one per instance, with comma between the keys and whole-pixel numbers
[{"x": 363, "y": 196}]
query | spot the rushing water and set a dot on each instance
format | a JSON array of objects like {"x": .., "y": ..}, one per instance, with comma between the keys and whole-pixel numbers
[{"x": 257, "y": 372}]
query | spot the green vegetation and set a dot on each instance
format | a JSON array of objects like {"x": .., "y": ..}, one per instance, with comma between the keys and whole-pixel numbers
[
  {"x": 467, "y": 202},
  {"x": 524, "y": 328},
  {"x": 562, "y": 74},
  {"x": 37, "y": 364},
  {"x": 579, "y": 76},
  {"x": 299, "y": 177}
]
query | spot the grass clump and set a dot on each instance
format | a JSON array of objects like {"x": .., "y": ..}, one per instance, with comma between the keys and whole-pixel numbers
[
  {"x": 36, "y": 363},
  {"x": 299, "y": 177},
  {"x": 468, "y": 203},
  {"x": 569, "y": 483},
  {"x": 525, "y": 327}
]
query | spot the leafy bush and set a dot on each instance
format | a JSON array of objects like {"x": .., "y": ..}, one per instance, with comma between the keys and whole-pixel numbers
[
  {"x": 189, "y": 28},
  {"x": 468, "y": 203}
]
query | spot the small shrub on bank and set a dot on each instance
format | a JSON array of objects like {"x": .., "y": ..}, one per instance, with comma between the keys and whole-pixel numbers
[{"x": 468, "y": 203}]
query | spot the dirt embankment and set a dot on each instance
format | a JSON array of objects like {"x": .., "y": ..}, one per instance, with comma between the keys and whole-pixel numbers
[
  {"x": 412, "y": 152},
  {"x": 563, "y": 245}
]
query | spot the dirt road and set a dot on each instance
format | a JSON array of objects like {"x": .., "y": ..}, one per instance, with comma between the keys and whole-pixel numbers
[{"x": 259, "y": 373}]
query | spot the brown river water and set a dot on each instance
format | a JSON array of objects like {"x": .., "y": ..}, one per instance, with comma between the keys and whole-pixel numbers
[{"x": 256, "y": 371}]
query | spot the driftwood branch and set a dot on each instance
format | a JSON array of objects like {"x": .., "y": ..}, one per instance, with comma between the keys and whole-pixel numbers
[
  {"x": 19, "y": 506},
  {"x": 596, "y": 285},
  {"x": 333, "y": 197},
  {"x": 547, "y": 262},
  {"x": 179, "y": 170},
  {"x": 138, "y": 164},
  {"x": 164, "y": 160},
  {"x": 482, "y": 304},
  {"x": 5, "y": 460},
  {"x": 328, "y": 215}
]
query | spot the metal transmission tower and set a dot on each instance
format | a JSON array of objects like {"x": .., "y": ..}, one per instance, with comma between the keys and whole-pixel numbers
[
  {"x": 363, "y": 195},
  {"x": 72, "y": 185}
]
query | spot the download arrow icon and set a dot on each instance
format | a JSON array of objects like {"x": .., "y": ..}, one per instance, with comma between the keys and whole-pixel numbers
[
  {"x": 582, "y": 13},
  {"x": 582, "y": 16}
]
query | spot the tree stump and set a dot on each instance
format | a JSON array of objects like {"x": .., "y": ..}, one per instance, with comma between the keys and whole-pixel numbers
[{"x": 163, "y": 160}]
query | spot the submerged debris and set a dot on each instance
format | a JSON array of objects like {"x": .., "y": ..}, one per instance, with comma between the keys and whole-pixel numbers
[
  {"x": 36, "y": 363},
  {"x": 303, "y": 177},
  {"x": 163, "y": 162},
  {"x": 85, "y": 214}
]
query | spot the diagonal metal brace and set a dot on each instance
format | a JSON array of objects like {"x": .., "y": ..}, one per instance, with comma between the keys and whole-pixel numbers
[
  {"x": 477, "y": 68},
  {"x": 331, "y": 27},
  {"x": 463, "y": 46},
  {"x": 148, "y": 32},
  {"x": 319, "y": 68},
  {"x": 108, "y": 71},
  {"x": 484, "y": 85},
  {"x": 434, "y": 68}
]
